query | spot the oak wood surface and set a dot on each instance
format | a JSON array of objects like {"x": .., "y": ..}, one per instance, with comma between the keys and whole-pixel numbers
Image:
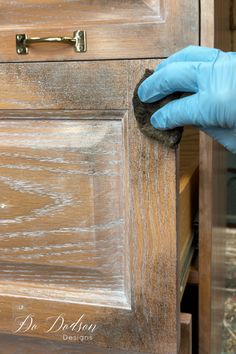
[
  {"x": 143, "y": 294},
  {"x": 66, "y": 86},
  {"x": 114, "y": 29},
  {"x": 15, "y": 344},
  {"x": 33, "y": 142},
  {"x": 51, "y": 96},
  {"x": 55, "y": 176}
]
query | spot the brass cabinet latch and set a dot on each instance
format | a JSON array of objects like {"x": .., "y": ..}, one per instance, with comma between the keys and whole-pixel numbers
[{"x": 78, "y": 41}]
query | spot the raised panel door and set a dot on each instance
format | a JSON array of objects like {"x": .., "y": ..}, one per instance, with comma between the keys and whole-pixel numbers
[{"x": 88, "y": 232}]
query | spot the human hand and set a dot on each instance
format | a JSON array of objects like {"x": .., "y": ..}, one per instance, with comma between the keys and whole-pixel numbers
[{"x": 210, "y": 75}]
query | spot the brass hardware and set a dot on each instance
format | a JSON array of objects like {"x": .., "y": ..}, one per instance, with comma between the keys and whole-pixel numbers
[{"x": 78, "y": 41}]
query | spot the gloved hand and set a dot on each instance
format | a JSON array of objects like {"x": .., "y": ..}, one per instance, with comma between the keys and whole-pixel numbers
[{"x": 208, "y": 73}]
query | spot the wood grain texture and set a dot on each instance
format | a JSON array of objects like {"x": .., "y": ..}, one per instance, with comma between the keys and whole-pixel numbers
[
  {"x": 77, "y": 85},
  {"x": 114, "y": 29},
  {"x": 186, "y": 333},
  {"x": 143, "y": 303},
  {"x": 55, "y": 176},
  {"x": 131, "y": 290},
  {"x": 214, "y": 33},
  {"x": 12, "y": 344}
]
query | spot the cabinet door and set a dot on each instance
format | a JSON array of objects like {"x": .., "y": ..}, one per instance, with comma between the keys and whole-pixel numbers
[
  {"x": 114, "y": 29},
  {"x": 88, "y": 211}
]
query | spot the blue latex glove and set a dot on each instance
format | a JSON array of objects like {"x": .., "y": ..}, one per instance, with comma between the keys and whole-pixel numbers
[{"x": 208, "y": 73}]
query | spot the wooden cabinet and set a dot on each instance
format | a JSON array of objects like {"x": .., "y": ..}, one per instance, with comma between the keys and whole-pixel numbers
[
  {"x": 95, "y": 217},
  {"x": 115, "y": 29},
  {"x": 89, "y": 228}
]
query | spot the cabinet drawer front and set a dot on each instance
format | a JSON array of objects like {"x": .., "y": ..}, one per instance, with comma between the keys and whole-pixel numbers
[{"x": 114, "y": 29}]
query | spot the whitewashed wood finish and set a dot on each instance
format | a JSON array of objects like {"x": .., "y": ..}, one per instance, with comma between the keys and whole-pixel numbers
[
  {"x": 12, "y": 344},
  {"x": 41, "y": 13},
  {"x": 133, "y": 281},
  {"x": 55, "y": 177},
  {"x": 115, "y": 29},
  {"x": 75, "y": 85},
  {"x": 136, "y": 310}
]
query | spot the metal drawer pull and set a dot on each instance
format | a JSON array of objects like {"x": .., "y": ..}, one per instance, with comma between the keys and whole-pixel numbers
[{"x": 78, "y": 41}]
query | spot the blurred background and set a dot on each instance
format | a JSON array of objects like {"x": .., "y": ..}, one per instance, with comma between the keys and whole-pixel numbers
[{"x": 229, "y": 323}]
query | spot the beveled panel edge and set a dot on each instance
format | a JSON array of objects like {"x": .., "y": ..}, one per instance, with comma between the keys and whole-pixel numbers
[
  {"x": 113, "y": 299},
  {"x": 56, "y": 114}
]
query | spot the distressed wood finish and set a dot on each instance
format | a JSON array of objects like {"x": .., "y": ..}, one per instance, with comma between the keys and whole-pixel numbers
[
  {"x": 135, "y": 292},
  {"x": 91, "y": 219},
  {"x": 12, "y": 344},
  {"x": 114, "y": 29},
  {"x": 67, "y": 170},
  {"x": 66, "y": 86},
  {"x": 214, "y": 33}
]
